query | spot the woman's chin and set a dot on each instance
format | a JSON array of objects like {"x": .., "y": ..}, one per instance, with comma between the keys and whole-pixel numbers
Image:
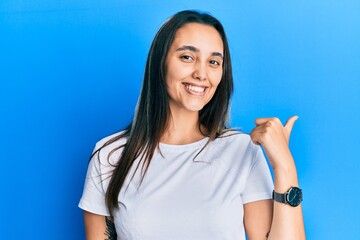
[{"x": 195, "y": 108}]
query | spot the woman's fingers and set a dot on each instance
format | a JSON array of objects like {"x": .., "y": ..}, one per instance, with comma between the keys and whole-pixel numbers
[
  {"x": 290, "y": 124},
  {"x": 275, "y": 123},
  {"x": 273, "y": 120},
  {"x": 259, "y": 133},
  {"x": 273, "y": 137}
]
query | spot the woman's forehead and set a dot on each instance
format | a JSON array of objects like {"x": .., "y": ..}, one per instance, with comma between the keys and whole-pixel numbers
[{"x": 200, "y": 36}]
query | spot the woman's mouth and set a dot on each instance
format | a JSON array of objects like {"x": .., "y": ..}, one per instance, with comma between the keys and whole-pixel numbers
[{"x": 195, "y": 90}]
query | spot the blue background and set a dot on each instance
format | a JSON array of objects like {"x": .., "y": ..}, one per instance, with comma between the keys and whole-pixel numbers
[{"x": 71, "y": 72}]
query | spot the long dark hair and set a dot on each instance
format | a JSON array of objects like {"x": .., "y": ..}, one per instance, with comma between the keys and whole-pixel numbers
[{"x": 152, "y": 111}]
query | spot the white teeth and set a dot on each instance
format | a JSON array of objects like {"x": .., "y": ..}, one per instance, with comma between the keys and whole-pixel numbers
[{"x": 195, "y": 88}]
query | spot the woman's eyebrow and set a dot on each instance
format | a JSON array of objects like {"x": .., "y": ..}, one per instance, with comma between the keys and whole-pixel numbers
[
  {"x": 195, "y": 49},
  {"x": 217, "y": 54},
  {"x": 187, "y": 47}
]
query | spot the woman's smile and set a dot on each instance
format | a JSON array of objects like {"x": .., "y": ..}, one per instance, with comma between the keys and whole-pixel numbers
[
  {"x": 193, "y": 67},
  {"x": 194, "y": 89}
]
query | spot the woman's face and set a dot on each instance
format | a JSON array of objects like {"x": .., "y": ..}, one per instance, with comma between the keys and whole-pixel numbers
[{"x": 194, "y": 66}]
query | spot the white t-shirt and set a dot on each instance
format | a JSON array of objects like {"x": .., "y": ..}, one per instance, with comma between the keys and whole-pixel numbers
[{"x": 182, "y": 197}]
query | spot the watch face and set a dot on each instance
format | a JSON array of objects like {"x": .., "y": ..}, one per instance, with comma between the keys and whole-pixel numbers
[{"x": 294, "y": 198}]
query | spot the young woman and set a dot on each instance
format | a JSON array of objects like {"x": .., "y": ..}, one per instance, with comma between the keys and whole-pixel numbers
[{"x": 178, "y": 171}]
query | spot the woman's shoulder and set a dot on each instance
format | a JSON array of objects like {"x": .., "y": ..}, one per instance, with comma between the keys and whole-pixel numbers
[
  {"x": 233, "y": 148},
  {"x": 235, "y": 141},
  {"x": 110, "y": 147},
  {"x": 117, "y": 138},
  {"x": 234, "y": 136}
]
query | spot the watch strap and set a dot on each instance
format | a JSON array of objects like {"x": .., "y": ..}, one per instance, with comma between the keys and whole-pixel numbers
[{"x": 279, "y": 197}]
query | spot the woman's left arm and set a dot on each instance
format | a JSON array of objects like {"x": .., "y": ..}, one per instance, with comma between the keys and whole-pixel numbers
[{"x": 287, "y": 221}]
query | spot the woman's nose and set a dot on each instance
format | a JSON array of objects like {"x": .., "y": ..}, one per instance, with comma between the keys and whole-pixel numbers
[{"x": 199, "y": 71}]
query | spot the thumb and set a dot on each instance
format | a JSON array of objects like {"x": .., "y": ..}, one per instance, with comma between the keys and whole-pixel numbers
[{"x": 290, "y": 123}]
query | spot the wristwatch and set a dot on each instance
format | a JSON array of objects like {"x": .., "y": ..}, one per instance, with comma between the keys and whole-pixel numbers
[{"x": 293, "y": 197}]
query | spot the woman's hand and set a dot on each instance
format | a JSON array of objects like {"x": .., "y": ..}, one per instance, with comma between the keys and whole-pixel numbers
[{"x": 274, "y": 138}]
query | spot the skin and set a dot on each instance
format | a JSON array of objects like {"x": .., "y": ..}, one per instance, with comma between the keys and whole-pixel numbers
[
  {"x": 95, "y": 226},
  {"x": 195, "y": 59},
  {"x": 193, "y": 72},
  {"x": 274, "y": 138}
]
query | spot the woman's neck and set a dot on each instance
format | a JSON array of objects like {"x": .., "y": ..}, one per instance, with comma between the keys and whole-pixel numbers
[{"x": 183, "y": 128}]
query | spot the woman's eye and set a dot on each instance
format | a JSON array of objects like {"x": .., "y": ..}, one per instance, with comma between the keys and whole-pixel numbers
[
  {"x": 186, "y": 57},
  {"x": 214, "y": 62}
]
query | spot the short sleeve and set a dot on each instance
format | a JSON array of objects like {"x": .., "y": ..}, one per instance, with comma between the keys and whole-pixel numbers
[
  {"x": 93, "y": 197},
  {"x": 259, "y": 184}
]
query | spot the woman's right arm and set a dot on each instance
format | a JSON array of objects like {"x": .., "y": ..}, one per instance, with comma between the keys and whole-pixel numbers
[{"x": 95, "y": 226}]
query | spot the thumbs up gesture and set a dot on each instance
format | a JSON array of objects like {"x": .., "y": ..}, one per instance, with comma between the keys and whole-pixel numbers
[{"x": 274, "y": 138}]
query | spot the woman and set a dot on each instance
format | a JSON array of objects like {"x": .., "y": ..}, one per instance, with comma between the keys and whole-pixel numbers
[{"x": 177, "y": 171}]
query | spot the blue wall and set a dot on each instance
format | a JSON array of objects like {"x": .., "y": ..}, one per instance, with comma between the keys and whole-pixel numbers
[{"x": 70, "y": 73}]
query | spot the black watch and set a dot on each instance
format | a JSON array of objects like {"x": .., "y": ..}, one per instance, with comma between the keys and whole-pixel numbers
[{"x": 293, "y": 197}]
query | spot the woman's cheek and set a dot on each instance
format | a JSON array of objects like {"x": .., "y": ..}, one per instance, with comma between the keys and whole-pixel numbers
[{"x": 217, "y": 78}]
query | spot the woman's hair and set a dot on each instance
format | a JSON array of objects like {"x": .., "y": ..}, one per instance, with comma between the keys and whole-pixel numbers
[{"x": 152, "y": 111}]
